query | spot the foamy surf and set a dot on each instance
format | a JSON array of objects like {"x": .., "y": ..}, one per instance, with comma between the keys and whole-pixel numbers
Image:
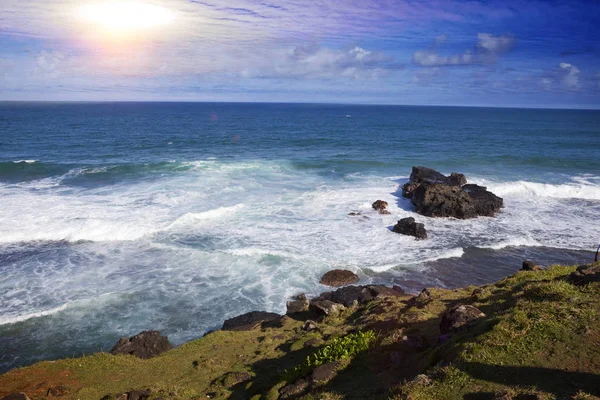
[{"x": 9, "y": 319}]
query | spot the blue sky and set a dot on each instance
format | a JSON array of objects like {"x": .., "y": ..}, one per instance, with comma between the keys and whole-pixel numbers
[{"x": 443, "y": 52}]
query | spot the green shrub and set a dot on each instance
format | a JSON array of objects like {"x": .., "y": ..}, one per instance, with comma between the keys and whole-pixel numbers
[{"x": 338, "y": 349}]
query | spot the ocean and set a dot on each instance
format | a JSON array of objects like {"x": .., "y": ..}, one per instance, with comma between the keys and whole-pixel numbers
[{"x": 122, "y": 217}]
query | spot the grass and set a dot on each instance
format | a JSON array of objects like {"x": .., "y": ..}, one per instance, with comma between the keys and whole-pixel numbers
[{"x": 540, "y": 336}]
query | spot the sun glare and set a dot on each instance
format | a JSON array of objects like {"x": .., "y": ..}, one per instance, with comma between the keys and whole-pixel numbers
[{"x": 123, "y": 17}]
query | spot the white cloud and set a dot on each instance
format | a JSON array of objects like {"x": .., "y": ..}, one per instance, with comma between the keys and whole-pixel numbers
[
  {"x": 440, "y": 39},
  {"x": 495, "y": 44},
  {"x": 433, "y": 59}
]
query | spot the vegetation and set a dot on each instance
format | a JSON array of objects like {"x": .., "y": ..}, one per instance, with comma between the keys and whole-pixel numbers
[{"x": 539, "y": 339}]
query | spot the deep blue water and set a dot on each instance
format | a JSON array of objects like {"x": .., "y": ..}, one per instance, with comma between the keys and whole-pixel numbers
[{"x": 119, "y": 217}]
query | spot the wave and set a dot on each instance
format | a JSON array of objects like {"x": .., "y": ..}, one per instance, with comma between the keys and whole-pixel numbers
[
  {"x": 5, "y": 319},
  {"x": 216, "y": 213},
  {"x": 25, "y": 161},
  {"x": 534, "y": 189},
  {"x": 443, "y": 254}
]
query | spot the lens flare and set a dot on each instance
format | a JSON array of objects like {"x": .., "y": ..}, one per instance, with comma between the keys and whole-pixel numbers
[{"x": 123, "y": 17}]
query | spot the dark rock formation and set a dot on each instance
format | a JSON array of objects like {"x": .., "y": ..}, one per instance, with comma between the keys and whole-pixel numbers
[
  {"x": 326, "y": 307},
  {"x": 249, "y": 321},
  {"x": 298, "y": 304},
  {"x": 458, "y": 317},
  {"x": 339, "y": 277},
  {"x": 380, "y": 206},
  {"x": 585, "y": 274},
  {"x": 408, "y": 226},
  {"x": 145, "y": 344},
  {"x": 350, "y": 295},
  {"x": 16, "y": 396},
  {"x": 436, "y": 195},
  {"x": 139, "y": 394},
  {"x": 530, "y": 266},
  {"x": 424, "y": 295}
]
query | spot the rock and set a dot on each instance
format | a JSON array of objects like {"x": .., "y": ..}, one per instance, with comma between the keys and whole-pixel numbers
[
  {"x": 139, "y": 394},
  {"x": 424, "y": 295},
  {"x": 458, "y": 317},
  {"x": 312, "y": 342},
  {"x": 360, "y": 294},
  {"x": 477, "y": 292},
  {"x": 530, "y": 266},
  {"x": 298, "y": 304},
  {"x": 16, "y": 396},
  {"x": 324, "y": 373},
  {"x": 408, "y": 226},
  {"x": 486, "y": 203},
  {"x": 381, "y": 207},
  {"x": 339, "y": 277},
  {"x": 145, "y": 344},
  {"x": 58, "y": 391},
  {"x": 437, "y": 195},
  {"x": 585, "y": 274},
  {"x": 294, "y": 389},
  {"x": 231, "y": 379},
  {"x": 326, "y": 307},
  {"x": 422, "y": 380},
  {"x": 354, "y": 214},
  {"x": 398, "y": 289},
  {"x": 309, "y": 326},
  {"x": 249, "y": 321}
]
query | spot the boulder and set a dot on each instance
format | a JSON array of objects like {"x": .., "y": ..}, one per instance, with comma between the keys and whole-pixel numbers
[
  {"x": 339, "y": 277},
  {"x": 459, "y": 317},
  {"x": 298, "y": 304},
  {"x": 294, "y": 389},
  {"x": 408, "y": 226},
  {"x": 326, "y": 307},
  {"x": 16, "y": 396},
  {"x": 139, "y": 394},
  {"x": 145, "y": 344},
  {"x": 530, "y": 266},
  {"x": 249, "y": 321},
  {"x": 57, "y": 391},
  {"x": 324, "y": 373},
  {"x": 424, "y": 295},
  {"x": 380, "y": 206},
  {"x": 585, "y": 274},
  {"x": 360, "y": 294},
  {"x": 437, "y": 195},
  {"x": 309, "y": 326},
  {"x": 486, "y": 203}
]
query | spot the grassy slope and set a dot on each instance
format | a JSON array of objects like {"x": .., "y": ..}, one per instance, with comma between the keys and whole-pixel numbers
[{"x": 540, "y": 335}]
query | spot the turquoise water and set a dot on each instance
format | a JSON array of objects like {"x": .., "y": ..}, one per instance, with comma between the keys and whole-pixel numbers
[{"x": 122, "y": 217}]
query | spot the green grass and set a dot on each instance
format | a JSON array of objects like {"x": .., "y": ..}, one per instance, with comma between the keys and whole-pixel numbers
[{"x": 540, "y": 335}]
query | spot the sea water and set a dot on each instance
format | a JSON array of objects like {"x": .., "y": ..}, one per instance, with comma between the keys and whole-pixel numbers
[{"x": 122, "y": 217}]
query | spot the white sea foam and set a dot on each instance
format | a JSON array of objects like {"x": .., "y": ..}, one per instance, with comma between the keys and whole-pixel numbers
[
  {"x": 12, "y": 319},
  {"x": 25, "y": 161},
  {"x": 579, "y": 190}
]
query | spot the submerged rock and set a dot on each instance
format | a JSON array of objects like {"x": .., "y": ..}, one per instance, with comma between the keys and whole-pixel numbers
[
  {"x": 380, "y": 206},
  {"x": 339, "y": 277},
  {"x": 408, "y": 226},
  {"x": 459, "y": 317},
  {"x": 145, "y": 344},
  {"x": 249, "y": 321},
  {"x": 436, "y": 195}
]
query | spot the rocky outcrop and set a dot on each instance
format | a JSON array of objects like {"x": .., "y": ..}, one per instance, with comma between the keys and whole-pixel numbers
[
  {"x": 458, "y": 317},
  {"x": 380, "y": 206},
  {"x": 231, "y": 379},
  {"x": 585, "y": 274},
  {"x": 408, "y": 226},
  {"x": 326, "y": 307},
  {"x": 145, "y": 344},
  {"x": 352, "y": 295},
  {"x": 249, "y": 321},
  {"x": 530, "y": 266},
  {"x": 436, "y": 195},
  {"x": 324, "y": 373},
  {"x": 298, "y": 304},
  {"x": 339, "y": 277}
]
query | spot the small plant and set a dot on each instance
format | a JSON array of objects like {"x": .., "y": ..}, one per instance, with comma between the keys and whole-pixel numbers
[{"x": 338, "y": 349}]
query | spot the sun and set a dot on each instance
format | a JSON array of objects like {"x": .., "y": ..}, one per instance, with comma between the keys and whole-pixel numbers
[{"x": 121, "y": 17}]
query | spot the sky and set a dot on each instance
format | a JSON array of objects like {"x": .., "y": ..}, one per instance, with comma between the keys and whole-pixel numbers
[{"x": 510, "y": 53}]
